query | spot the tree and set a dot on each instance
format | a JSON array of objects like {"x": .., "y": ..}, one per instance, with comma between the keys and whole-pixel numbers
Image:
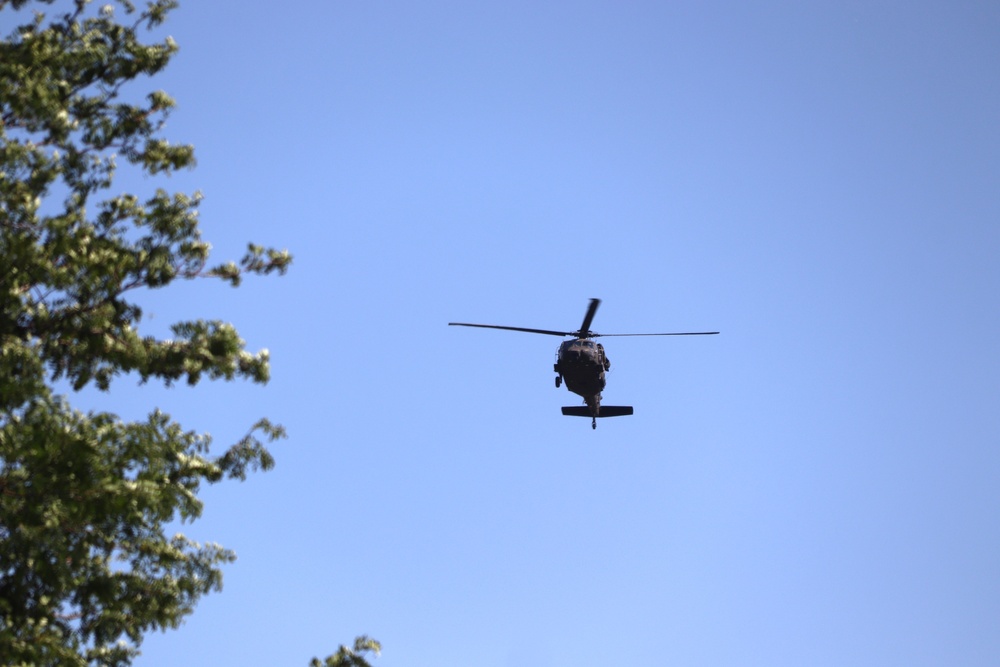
[
  {"x": 350, "y": 657},
  {"x": 86, "y": 567}
]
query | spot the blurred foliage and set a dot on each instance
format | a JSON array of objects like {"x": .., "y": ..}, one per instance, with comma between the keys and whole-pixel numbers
[
  {"x": 86, "y": 567},
  {"x": 351, "y": 657}
]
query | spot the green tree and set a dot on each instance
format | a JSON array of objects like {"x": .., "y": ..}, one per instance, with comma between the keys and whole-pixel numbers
[
  {"x": 86, "y": 567},
  {"x": 350, "y": 657}
]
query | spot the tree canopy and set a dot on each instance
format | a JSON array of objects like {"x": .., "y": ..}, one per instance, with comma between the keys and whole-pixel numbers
[{"x": 86, "y": 564}]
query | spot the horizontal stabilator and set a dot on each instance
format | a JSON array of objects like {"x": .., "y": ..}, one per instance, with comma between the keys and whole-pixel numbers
[{"x": 603, "y": 411}]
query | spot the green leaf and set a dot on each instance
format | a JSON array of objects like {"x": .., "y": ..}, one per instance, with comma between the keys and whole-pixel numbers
[{"x": 86, "y": 566}]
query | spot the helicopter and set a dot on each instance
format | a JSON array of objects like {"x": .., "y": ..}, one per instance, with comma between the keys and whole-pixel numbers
[{"x": 582, "y": 364}]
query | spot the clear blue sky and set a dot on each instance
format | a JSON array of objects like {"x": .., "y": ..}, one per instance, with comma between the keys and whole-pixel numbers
[{"x": 819, "y": 485}]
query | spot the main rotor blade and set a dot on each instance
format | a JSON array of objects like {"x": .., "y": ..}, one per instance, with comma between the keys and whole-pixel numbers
[
  {"x": 589, "y": 317},
  {"x": 684, "y": 333},
  {"x": 496, "y": 326}
]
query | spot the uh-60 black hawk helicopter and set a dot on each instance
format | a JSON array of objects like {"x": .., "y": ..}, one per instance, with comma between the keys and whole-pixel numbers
[{"x": 582, "y": 363}]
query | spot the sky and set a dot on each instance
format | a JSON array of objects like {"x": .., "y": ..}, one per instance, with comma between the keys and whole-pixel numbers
[{"x": 819, "y": 181}]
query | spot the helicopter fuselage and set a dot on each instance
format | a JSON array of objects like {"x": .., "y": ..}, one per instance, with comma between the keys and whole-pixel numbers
[{"x": 581, "y": 363}]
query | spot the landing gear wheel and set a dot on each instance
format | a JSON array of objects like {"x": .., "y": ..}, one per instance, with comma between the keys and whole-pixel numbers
[
  {"x": 593, "y": 423},
  {"x": 558, "y": 381}
]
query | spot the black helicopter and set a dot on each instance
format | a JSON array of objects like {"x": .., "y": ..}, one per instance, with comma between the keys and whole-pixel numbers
[{"x": 582, "y": 363}]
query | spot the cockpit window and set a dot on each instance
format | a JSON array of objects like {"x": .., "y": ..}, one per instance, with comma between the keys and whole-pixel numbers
[{"x": 578, "y": 343}]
